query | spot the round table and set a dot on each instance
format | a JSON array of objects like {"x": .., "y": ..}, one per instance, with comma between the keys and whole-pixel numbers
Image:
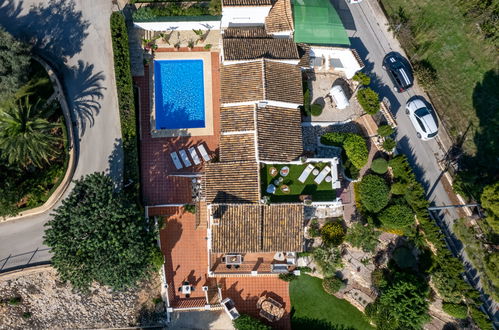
[
  {"x": 284, "y": 171},
  {"x": 315, "y": 171},
  {"x": 285, "y": 189}
]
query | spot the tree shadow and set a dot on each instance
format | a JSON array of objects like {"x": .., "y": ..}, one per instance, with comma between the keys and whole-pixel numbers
[
  {"x": 306, "y": 323},
  {"x": 84, "y": 93},
  {"x": 115, "y": 163},
  {"x": 55, "y": 29},
  {"x": 405, "y": 147}
]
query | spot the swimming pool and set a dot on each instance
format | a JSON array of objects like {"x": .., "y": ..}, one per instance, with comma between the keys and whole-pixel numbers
[{"x": 179, "y": 94}]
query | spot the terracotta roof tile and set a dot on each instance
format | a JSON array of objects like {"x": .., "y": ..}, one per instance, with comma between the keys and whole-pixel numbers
[
  {"x": 283, "y": 82},
  {"x": 232, "y": 182},
  {"x": 257, "y": 228},
  {"x": 247, "y": 2},
  {"x": 241, "y": 82},
  {"x": 279, "y": 134},
  {"x": 234, "y": 119},
  {"x": 253, "y": 48},
  {"x": 261, "y": 80},
  {"x": 245, "y": 32},
  {"x": 237, "y": 147},
  {"x": 282, "y": 227},
  {"x": 280, "y": 17}
]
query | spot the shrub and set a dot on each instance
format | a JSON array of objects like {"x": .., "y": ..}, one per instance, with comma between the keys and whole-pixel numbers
[
  {"x": 379, "y": 165},
  {"x": 313, "y": 229},
  {"x": 287, "y": 277},
  {"x": 378, "y": 278},
  {"x": 351, "y": 171},
  {"x": 398, "y": 188},
  {"x": 389, "y": 144},
  {"x": 328, "y": 258},
  {"x": 362, "y": 78},
  {"x": 246, "y": 322},
  {"x": 397, "y": 217},
  {"x": 455, "y": 310},
  {"x": 334, "y": 138},
  {"x": 368, "y": 100},
  {"x": 333, "y": 233},
  {"x": 306, "y": 100},
  {"x": 374, "y": 193},
  {"x": 356, "y": 150},
  {"x": 305, "y": 269},
  {"x": 425, "y": 74},
  {"x": 362, "y": 236},
  {"x": 316, "y": 109},
  {"x": 27, "y": 315},
  {"x": 14, "y": 301},
  {"x": 385, "y": 130},
  {"x": 151, "y": 12},
  {"x": 481, "y": 319},
  {"x": 190, "y": 208},
  {"x": 332, "y": 285},
  {"x": 15, "y": 63},
  {"x": 215, "y": 8}
]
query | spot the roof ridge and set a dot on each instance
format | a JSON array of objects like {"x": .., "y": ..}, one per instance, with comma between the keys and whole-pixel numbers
[{"x": 264, "y": 80}]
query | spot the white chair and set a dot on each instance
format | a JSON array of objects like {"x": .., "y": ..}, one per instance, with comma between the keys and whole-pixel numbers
[
  {"x": 176, "y": 160},
  {"x": 194, "y": 155},
  {"x": 204, "y": 154},
  {"x": 184, "y": 157},
  {"x": 306, "y": 172},
  {"x": 325, "y": 171}
]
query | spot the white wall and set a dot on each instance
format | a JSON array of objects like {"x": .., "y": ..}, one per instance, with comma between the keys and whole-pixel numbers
[
  {"x": 345, "y": 55},
  {"x": 244, "y": 16},
  {"x": 179, "y": 26}
]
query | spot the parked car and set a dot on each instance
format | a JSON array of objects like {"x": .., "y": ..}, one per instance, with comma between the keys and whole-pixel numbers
[
  {"x": 422, "y": 119},
  {"x": 399, "y": 71},
  {"x": 339, "y": 97}
]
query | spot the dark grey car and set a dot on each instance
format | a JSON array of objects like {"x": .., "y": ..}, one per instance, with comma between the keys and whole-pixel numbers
[{"x": 399, "y": 71}]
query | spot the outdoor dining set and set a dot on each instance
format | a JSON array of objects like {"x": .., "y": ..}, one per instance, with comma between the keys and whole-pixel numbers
[
  {"x": 278, "y": 182},
  {"x": 186, "y": 289},
  {"x": 270, "y": 309}
]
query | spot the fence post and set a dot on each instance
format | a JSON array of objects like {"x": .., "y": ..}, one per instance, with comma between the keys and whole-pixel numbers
[
  {"x": 34, "y": 252},
  {"x": 6, "y": 259}
]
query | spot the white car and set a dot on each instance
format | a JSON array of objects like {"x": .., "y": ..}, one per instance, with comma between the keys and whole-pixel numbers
[{"x": 422, "y": 119}]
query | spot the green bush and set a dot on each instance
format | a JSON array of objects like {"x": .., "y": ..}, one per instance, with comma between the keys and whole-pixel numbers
[
  {"x": 379, "y": 165},
  {"x": 287, "y": 277},
  {"x": 154, "y": 11},
  {"x": 14, "y": 301},
  {"x": 126, "y": 101},
  {"x": 190, "y": 208},
  {"x": 328, "y": 258},
  {"x": 246, "y": 322},
  {"x": 313, "y": 229},
  {"x": 389, "y": 144},
  {"x": 27, "y": 315},
  {"x": 374, "y": 193},
  {"x": 362, "y": 236},
  {"x": 356, "y": 150},
  {"x": 334, "y": 139},
  {"x": 378, "y": 278},
  {"x": 385, "y": 130},
  {"x": 481, "y": 319},
  {"x": 333, "y": 233},
  {"x": 362, "y": 78},
  {"x": 306, "y": 100},
  {"x": 368, "y": 100},
  {"x": 351, "y": 171},
  {"x": 455, "y": 310},
  {"x": 305, "y": 269},
  {"x": 398, "y": 188},
  {"x": 332, "y": 285},
  {"x": 316, "y": 109},
  {"x": 397, "y": 217}
]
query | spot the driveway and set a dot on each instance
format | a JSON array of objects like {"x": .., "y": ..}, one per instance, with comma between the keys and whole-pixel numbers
[
  {"x": 365, "y": 24},
  {"x": 74, "y": 36}
]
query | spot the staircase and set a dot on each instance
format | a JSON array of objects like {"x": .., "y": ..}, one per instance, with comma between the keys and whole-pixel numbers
[{"x": 201, "y": 215}]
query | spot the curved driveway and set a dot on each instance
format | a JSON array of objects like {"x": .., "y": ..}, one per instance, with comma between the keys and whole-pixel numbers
[{"x": 75, "y": 37}]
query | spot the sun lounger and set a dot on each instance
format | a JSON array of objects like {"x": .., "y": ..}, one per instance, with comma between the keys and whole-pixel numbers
[
  {"x": 176, "y": 161},
  {"x": 325, "y": 171},
  {"x": 194, "y": 155},
  {"x": 204, "y": 154},
  {"x": 306, "y": 172},
  {"x": 184, "y": 157}
]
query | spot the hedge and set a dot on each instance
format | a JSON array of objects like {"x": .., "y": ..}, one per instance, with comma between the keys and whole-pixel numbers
[
  {"x": 316, "y": 109},
  {"x": 385, "y": 130},
  {"x": 175, "y": 9},
  {"x": 246, "y": 322},
  {"x": 374, "y": 193},
  {"x": 355, "y": 146},
  {"x": 368, "y": 100},
  {"x": 126, "y": 101},
  {"x": 455, "y": 310},
  {"x": 397, "y": 217}
]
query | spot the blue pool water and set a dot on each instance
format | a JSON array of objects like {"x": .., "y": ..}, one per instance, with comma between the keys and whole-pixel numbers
[{"x": 179, "y": 94}]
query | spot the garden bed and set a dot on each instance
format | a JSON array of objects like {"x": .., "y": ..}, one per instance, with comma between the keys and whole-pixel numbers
[{"x": 318, "y": 192}]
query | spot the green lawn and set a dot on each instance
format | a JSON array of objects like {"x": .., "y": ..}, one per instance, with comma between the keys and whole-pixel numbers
[
  {"x": 312, "y": 308},
  {"x": 453, "y": 46},
  {"x": 321, "y": 192}
]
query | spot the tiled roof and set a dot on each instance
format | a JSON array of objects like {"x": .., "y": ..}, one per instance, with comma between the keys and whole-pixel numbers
[
  {"x": 245, "y": 32},
  {"x": 241, "y": 82},
  {"x": 247, "y": 2},
  {"x": 232, "y": 182},
  {"x": 249, "y": 49},
  {"x": 304, "y": 51},
  {"x": 280, "y": 17},
  {"x": 283, "y": 82},
  {"x": 237, "y": 147},
  {"x": 282, "y": 227},
  {"x": 239, "y": 228},
  {"x": 235, "y": 119},
  {"x": 261, "y": 80},
  {"x": 279, "y": 134},
  {"x": 257, "y": 228}
]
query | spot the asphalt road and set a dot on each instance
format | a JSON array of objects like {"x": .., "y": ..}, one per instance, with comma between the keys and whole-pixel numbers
[
  {"x": 74, "y": 36},
  {"x": 368, "y": 33}
]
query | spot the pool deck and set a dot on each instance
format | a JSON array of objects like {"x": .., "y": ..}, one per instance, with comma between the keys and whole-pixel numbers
[
  {"x": 162, "y": 183},
  {"x": 208, "y": 95}
]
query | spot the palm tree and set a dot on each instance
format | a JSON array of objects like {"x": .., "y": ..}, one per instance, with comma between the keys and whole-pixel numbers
[{"x": 25, "y": 135}]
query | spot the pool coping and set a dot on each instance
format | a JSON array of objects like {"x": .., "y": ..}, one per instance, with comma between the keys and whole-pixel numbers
[{"x": 208, "y": 96}]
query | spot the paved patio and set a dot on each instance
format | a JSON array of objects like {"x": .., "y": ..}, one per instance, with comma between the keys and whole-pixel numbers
[{"x": 159, "y": 185}]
